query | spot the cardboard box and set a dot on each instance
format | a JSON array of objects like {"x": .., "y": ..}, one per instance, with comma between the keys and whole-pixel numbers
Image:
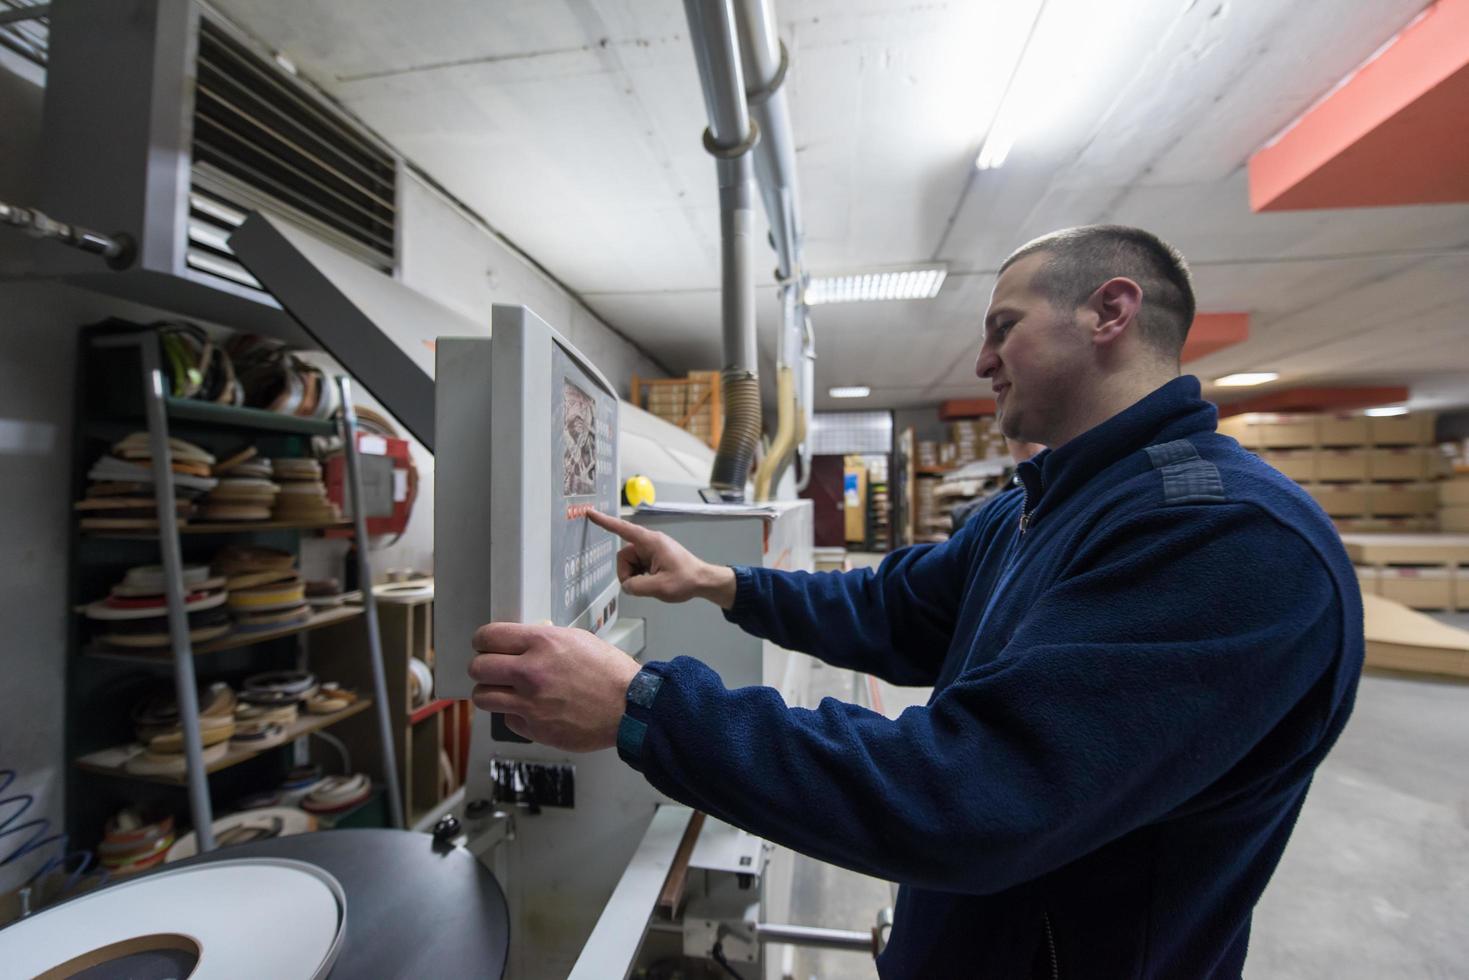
[
  {"x": 1284, "y": 431},
  {"x": 1417, "y": 588},
  {"x": 1342, "y": 430},
  {"x": 1367, "y": 579},
  {"x": 1454, "y": 493},
  {"x": 1340, "y": 499},
  {"x": 1413, "y": 429},
  {"x": 1390, "y": 525},
  {"x": 1294, "y": 464},
  {"x": 1402, "y": 499},
  {"x": 1403, "y": 463},
  {"x": 1453, "y": 518},
  {"x": 1341, "y": 465},
  {"x": 1242, "y": 429}
]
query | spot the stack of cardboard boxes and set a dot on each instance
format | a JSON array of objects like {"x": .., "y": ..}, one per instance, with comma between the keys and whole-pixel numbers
[
  {"x": 692, "y": 403},
  {"x": 1453, "y": 493},
  {"x": 975, "y": 439},
  {"x": 1368, "y": 474}
]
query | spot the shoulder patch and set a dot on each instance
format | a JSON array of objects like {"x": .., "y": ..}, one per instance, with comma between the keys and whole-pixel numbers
[{"x": 1188, "y": 478}]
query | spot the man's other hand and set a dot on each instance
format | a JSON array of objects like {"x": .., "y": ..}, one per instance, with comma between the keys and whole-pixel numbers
[
  {"x": 560, "y": 687},
  {"x": 653, "y": 564}
]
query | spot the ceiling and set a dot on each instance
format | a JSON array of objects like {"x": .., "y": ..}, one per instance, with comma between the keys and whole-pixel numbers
[{"x": 573, "y": 126}]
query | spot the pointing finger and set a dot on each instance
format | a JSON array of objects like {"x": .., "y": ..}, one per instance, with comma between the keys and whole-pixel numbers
[{"x": 631, "y": 533}]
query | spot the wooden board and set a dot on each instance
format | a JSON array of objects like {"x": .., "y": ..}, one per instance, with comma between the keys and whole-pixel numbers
[
  {"x": 1400, "y": 639},
  {"x": 1407, "y": 549},
  {"x": 325, "y": 617}
]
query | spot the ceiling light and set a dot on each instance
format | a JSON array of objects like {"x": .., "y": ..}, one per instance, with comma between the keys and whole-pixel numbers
[
  {"x": 1059, "y": 55},
  {"x": 850, "y": 391},
  {"x": 1387, "y": 410},
  {"x": 917, "y": 282},
  {"x": 1246, "y": 379}
]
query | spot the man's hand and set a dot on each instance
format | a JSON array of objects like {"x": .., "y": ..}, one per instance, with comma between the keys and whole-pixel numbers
[
  {"x": 561, "y": 687},
  {"x": 653, "y": 564}
]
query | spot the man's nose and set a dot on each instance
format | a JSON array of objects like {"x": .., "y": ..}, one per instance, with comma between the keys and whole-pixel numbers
[{"x": 987, "y": 364}]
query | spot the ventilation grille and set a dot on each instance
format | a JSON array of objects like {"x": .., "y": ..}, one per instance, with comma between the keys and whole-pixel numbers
[
  {"x": 29, "y": 38},
  {"x": 261, "y": 143}
]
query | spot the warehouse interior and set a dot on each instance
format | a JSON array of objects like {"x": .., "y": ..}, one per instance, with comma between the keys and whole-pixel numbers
[{"x": 314, "y": 315}]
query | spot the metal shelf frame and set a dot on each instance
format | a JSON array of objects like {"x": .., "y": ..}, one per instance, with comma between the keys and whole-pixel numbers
[{"x": 157, "y": 407}]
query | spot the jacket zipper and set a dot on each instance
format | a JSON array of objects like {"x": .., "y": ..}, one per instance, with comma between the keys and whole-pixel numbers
[
  {"x": 1051, "y": 945},
  {"x": 1025, "y": 510}
]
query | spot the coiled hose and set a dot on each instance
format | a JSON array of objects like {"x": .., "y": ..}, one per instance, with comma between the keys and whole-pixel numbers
[
  {"x": 37, "y": 839},
  {"x": 741, "y": 435}
]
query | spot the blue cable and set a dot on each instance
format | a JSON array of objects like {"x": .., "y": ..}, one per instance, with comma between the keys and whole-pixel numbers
[{"x": 10, "y": 825}]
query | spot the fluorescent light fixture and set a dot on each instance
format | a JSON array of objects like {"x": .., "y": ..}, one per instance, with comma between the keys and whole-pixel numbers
[
  {"x": 849, "y": 391},
  {"x": 1246, "y": 379},
  {"x": 916, "y": 282},
  {"x": 1060, "y": 55},
  {"x": 1385, "y": 411}
]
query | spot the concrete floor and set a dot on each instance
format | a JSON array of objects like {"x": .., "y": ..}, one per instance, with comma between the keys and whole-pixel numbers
[{"x": 1375, "y": 882}]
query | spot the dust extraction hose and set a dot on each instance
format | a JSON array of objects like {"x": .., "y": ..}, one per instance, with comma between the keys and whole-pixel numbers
[{"x": 741, "y": 391}]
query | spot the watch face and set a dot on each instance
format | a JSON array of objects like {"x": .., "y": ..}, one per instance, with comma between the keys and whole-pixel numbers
[{"x": 644, "y": 688}]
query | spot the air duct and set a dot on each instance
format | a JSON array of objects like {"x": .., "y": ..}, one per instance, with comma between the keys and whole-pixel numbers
[
  {"x": 765, "y": 64},
  {"x": 730, "y": 137}
]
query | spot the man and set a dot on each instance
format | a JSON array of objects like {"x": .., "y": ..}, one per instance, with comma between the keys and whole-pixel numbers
[{"x": 1138, "y": 657}]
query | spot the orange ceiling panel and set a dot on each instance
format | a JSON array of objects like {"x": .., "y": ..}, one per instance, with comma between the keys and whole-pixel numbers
[
  {"x": 1316, "y": 400},
  {"x": 1393, "y": 133},
  {"x": 1214, "y": 331},
  {"x": 966, "y": 408}
]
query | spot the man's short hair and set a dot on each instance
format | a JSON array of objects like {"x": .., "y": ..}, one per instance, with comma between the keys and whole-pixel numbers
[{"x": 1081, "y": 259}]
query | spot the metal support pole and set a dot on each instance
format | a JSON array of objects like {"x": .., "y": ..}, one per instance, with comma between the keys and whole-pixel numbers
[
  {"x": 814, "y": 936},
  {"x": 369, "y": 602},
  {"x": 185, "y": 689}
]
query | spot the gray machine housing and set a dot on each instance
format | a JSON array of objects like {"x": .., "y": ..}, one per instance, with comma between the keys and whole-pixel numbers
[{"x": 516, "y": 551}]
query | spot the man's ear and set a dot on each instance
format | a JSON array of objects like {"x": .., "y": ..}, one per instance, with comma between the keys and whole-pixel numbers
[{"x": 1116, "y": 304}]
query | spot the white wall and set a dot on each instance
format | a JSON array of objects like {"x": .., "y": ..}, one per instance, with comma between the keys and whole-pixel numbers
[{"x": 445, "y": 254}]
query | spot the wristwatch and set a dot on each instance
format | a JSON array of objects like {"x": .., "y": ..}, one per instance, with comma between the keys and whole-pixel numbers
[{"x": 638, "y": 711}]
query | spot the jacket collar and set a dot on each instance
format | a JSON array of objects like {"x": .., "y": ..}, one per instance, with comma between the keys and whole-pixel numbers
[{"x": 1171, "y": 412}]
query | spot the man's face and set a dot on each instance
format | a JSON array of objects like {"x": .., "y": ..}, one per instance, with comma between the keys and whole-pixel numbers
[{"x": 1033, "y": 354}]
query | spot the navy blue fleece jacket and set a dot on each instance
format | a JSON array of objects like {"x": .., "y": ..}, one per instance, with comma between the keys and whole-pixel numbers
[{"x": 1138, "y": 658}]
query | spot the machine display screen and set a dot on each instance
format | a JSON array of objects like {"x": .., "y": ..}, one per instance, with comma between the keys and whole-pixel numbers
[{"x": 584, "y": 557}]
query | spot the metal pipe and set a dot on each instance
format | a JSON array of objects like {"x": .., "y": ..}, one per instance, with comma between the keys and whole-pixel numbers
[
  {"x": 729, "y": 138},
  {"x": 118, "y": 250},
  {"x": 808, "y": 405},
  {"x": 16, "y": 15},
  {"x": 764, "y": 63},
  {"x": 814, "y": 936},
  {"x": 369, "y": 604},
  {"x": 185, "y": 691}
]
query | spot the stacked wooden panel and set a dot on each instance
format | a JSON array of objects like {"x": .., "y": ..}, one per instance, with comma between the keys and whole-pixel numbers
[{"x": 1368, "y": 474}]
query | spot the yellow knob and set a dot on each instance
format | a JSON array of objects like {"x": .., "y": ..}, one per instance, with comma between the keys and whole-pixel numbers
[{"x": 638, "y": 490}]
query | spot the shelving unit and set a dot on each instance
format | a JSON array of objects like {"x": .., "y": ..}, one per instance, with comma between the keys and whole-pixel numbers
[
  {"x": 121, "y": 389},
  {"x": 420, "y": 734},
  {"x": 235, "y": 641},
  {"x": 112, "y": 762},
  {"x": 220, "y": 527}
]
